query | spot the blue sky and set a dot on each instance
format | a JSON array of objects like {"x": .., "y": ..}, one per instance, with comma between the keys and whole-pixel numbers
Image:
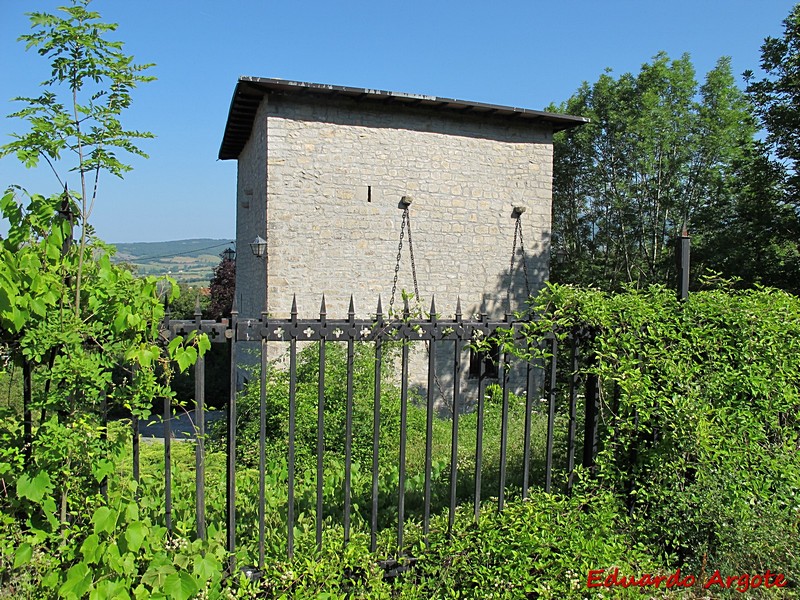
[{"x": 525, "y": 54}]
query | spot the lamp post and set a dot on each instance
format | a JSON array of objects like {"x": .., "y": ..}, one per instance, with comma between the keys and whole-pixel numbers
[
  {"x": 228, "y": 254},
  {"x": 259, "y": 249},
  {"x": 682, "y": 249}
]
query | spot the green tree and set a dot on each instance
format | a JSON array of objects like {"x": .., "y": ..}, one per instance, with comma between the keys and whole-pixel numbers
[
  {"x": 184, "y": 305},
  {"x": 777, "y": 98},
  {"x": 753, "y": 238},
  {"x": 75, "y": 123},
  {"x": 659, "y": 155},
  {"x": 68, "y": 316}
]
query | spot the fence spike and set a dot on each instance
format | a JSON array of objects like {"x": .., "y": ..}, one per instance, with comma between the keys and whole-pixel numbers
[
  {"x": 323, "y": 311},
  {"x": 458, "y": 309},
  {"x": 433, "y": 308},
  {"x": 351, "y": 312},
  {"x": 406, "y": 310},
  {"x": 294, "y": 307},
  {"x": 379, "y": 310},
  {"x": 197, "y": 311}
]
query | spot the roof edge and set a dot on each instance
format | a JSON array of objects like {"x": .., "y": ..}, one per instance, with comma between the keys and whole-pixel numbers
[{"x": 249, "y": 92}]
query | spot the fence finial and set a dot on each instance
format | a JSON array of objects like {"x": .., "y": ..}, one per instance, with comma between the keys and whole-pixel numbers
[
  {"x": 323, "y": 311},
  {"x": 458, "y": 309},
  {"x": 294, "y": 307},
  {"x": 433, "y": 308},
  {"x": 379, "y": 310},
  {"x": 351, "y": 312},
  {"x": 406, "y": 310}
]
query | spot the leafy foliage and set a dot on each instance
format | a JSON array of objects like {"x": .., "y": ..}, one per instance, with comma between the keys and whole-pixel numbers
[
  {"x": 700, "y": 404},
  {"x": 663, "y": 154},
  {"x": 777, "y": 98},
  {"x": 75, "y": 122},
  {"x": 70, "y": 318}
]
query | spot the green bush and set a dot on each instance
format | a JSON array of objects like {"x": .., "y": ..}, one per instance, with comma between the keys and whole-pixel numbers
[
  {"x": 705, "y": 436},
  {"x": 708, "y": 397},
  {"x": 542, "y": 547}
]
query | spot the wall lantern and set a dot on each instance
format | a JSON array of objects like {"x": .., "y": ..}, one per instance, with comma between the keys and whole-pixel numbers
[
  {"x": 228, "y": 254},
  {"x": 259, "y": 247}
]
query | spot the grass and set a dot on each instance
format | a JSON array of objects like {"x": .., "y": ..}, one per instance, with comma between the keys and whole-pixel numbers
[{"x": 276, "y": 481}]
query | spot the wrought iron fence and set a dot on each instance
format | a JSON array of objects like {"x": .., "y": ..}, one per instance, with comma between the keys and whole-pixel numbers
[{"x": 540, "y": 382}]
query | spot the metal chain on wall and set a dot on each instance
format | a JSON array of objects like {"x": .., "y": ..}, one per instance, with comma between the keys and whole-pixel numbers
[
  {"x": 406, "y": 223},
  {"x": 517, "y": 234}
]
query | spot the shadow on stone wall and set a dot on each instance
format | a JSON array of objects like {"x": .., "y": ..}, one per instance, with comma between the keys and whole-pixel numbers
[{"x": 507, "y": 299}]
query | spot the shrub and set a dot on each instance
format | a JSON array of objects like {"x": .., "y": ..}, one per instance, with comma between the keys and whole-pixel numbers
[{"x": 704, "y": 439}]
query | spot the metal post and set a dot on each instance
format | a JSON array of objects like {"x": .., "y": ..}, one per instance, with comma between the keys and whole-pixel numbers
[
  {"x": 458, "y": 346},
  {"x": 401, "y": 486},
  {"x": 591, "y": 419},
  {"x": 135, "y": 435},
  {"x": 200, "y": 432},
  {"x": 573, "y": 400},
  {"x": 230, "y": 508},
  {"x": 551, "y": 413},
  {"x": 376, "y": 427},
  {"x": 426, "y": 519},
  {"x": 262, "y": 451},
  {"x": 348, "y": 427},
  {"x": 480, "y": 425},
  {"x": 321, "y": 424},
  {"x": 27, "y": 417},
  {"x": 526, "y": 452},
  {"x": 504, "y": 372},
  {"x": 292, "y": 417},
  {"x": 682, "y": 247},
  {"x": 104, "y": 439},
  {"x": 167, "y": 418},
  {"x": 135, "y": 441}
]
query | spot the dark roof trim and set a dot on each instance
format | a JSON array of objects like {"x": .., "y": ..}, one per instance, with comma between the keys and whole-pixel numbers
[{"x": 250, "y": 90}]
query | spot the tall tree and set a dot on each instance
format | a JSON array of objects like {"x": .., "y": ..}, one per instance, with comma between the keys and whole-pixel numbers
[
  {"x": 754, "y": 237},
  {"x": 777, "y": 98},
  {"x": 765, "y": 227},
  {"x": 657, "y": 157},
  {"x": 75, "y": 124},
  {"x": 68, "y": 316}
]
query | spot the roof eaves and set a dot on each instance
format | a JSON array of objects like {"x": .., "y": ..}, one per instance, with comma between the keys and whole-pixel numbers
[{"x": 250, "y": 91}]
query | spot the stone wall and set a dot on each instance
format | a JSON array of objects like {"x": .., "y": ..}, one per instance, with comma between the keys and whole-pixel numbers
[
  {"x": 335, "y": 173},
  {"x": 328, "y": 177}
]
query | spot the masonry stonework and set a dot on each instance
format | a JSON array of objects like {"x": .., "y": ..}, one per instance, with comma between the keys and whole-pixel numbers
[
  {"x": 335, "y": 175},
  {"x": 322, "y": 172}
]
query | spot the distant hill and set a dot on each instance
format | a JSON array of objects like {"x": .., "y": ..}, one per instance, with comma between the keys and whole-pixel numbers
[{"x": 187, "y": 261}]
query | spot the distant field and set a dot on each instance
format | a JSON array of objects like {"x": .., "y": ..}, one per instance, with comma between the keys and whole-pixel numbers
[{"x": 187, "y": 261}]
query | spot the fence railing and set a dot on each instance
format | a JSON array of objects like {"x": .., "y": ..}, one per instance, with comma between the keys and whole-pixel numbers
[{"x": 441, "y": 337}]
